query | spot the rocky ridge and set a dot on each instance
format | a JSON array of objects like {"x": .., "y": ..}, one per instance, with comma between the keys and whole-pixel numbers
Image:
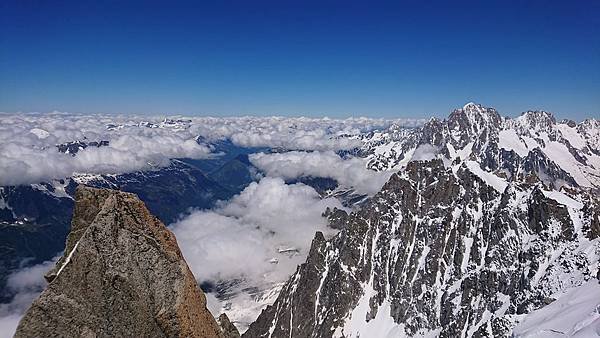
[{"x": 122, "y": 274}]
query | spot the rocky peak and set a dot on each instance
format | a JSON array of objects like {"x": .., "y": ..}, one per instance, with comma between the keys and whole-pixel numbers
[
  {"x": 537, "y": 120},
  {"x": 569, "y": 123},
  {"x": 474, "y": 117},
  {"x": 74, "y": 147},
  {"x": 122, "y": 275},
  {"x": 590, "y": 130}
]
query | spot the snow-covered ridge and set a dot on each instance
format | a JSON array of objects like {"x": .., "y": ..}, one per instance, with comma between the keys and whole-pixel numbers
[{"x": 533, "y": 143}]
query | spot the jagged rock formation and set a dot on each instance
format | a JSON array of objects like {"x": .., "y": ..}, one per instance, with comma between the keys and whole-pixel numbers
[
  {"x": 122, "y": 275},
  {"x": 229, "y": 330},
  {"x": 439, "y": 251}
]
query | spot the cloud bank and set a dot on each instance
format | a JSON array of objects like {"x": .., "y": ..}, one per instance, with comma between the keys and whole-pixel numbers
[
  {"x": 25, "y": 285},
  {"x": 347, "y": 172},
  {"x": 29, "y": 155},
  {"x": 264, "y": 231},
  {"x": 256, "y": 240}
]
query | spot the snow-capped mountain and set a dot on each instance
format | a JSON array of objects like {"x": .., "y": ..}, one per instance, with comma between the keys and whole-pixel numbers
[
  {"x": 487, "y": 220},
  {"x": 533, "y": 143}
]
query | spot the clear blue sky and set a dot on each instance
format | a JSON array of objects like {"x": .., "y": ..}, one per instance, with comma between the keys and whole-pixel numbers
[{"x": 335, "y": 58}]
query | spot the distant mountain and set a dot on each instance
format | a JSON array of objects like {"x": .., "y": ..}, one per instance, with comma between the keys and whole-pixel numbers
[
  {"x": 34, "y": 221},
  {"x": 167, "y": 191},
  {"x": 487, "y": 220},
  {"x": 73, "y": 148},
  {"x": 224, "y": 151},
  {"x": 236, "y": 173}
]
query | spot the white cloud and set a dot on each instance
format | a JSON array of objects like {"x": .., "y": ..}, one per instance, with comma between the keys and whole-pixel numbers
[
  {"x": 240, "y": 237},
  {"x": 425, "y": 152},
  {"x": 25, "y": 285},
  {"x": 349, "y": 172},
  {"x": 29, "y": 155},
  {"x": 243, "y": 239}
]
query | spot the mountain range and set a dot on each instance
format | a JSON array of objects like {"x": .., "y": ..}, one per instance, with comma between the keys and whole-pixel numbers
[{"x": 487, "y": 226}]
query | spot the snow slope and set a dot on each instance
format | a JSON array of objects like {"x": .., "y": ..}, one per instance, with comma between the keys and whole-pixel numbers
[{"x": 575, "y": 313}]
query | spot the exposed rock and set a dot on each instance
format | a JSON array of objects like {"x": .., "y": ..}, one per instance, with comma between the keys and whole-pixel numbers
[
  {"x": 122, "y": 275},
  {"x": 73, "y": 148},
  {"x": 336, "y": 217},
  {"x": 438, "y": 252},
  {"x": 229, "y": 330}
]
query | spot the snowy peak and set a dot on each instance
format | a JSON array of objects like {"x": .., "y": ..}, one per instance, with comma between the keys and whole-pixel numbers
[
  {"x": 533, "y": 143},
  {"x": 537, "y": 120},
  {"x": 589, "y": 129},
  {"x": 476, "y": 110},
  {"x": 475, "y": 114},
  {"x": 473, "y": 122}
]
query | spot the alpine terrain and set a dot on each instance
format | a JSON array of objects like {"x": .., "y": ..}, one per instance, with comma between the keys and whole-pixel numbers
[{"x": 486, "y": 220}]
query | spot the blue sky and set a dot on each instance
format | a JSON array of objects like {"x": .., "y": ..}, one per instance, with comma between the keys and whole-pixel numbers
[{"x": 401, "y": 59}]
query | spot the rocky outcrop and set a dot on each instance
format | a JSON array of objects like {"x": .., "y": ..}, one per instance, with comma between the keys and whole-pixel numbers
[
  {"x": 35, "y": 219},
  {"x": 229, "y": 330},
  {"x": 122, "y": 275}
]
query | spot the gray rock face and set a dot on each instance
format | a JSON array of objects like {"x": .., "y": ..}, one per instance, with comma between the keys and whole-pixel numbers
[
  {"x": 441, "y": 252},
  {"x": 229, "y": 330},
  {"x": 122, "y": 275}
]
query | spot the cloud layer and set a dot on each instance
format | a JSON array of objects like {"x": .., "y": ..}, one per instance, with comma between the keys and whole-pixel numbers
[
  {"x": 242, "y": 238},
  {"x": 257, "y": 239},
  {"x": 29, "y": 155},
  {"x": 348, "y": 172},
  {"x": 25, "y": 285}
]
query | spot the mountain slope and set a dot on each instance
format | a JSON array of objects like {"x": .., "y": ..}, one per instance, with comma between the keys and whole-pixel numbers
[
  {"x": 439, "y": 251},
  {"x": 122, "y": 275},
  {"x": 487, "y": 220}
]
